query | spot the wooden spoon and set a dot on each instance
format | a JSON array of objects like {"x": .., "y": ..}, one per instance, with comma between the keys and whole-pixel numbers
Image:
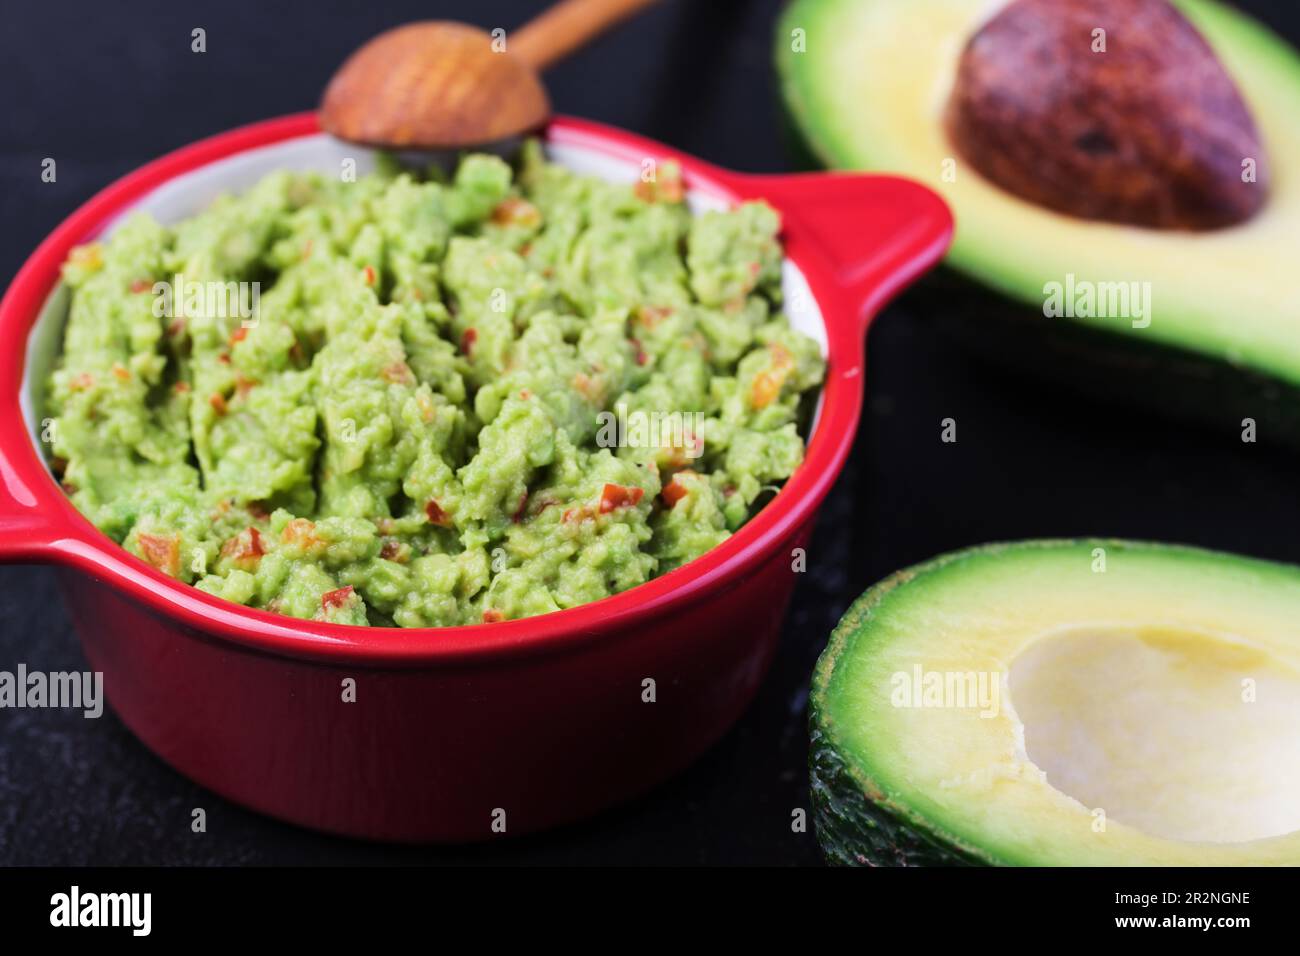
[{"x": 441, "y": 85}]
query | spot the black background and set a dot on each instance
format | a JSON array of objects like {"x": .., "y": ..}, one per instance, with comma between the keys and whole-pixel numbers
[{"x": 102, "y": 87}]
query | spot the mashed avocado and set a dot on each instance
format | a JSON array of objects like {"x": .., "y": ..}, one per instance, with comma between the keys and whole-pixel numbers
[{"x": 414, "y": 426}]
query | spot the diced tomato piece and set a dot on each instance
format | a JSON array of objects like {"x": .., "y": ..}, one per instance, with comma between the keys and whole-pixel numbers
[
  {"x": 368, "y": 275},
  {"x": 238, "y": 335},
  {"x": 300, "y": 532},
  {"x": 437, "y": 515},
  {"x": 675, "y": 491},
  {"x": 641, "y": 357},
  {"x": 492, "y": 616},
  {"x": 651, "y": 315},
  {"x": 467, "y": 340},
  {"x": 218, "y": 402},
  {"x": 513, "y": 211},
  {"x": 339, "y": 597},
  {"x": 399, "y": 373},
  {"x": 391, "y": 550},
  {"x": 619, "y": 496},
  {"x": 245, "y": 548},
  {"x": 162, "y": 551}
]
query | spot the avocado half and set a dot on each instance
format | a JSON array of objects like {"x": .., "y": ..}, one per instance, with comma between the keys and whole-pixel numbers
[
  {"x": 1081, "y": 703},
  {"x": 867, "y": 85}
]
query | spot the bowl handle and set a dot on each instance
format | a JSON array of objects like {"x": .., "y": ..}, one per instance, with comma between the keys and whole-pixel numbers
[
  {"x": 33, "y": 518},
  {"x": 873, "y": 234}
]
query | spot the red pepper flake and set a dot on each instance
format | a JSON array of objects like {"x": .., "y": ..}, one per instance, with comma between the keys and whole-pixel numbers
[
  {"x": 141, "y": 285},
  {"x": 619, "y": 496},
  {"x": 121, "y": 373},
  {"x": 467, "y": 340},
  {"x": 513, "y": 211},
  {"x": 368, "y": 275},
  {"x": 224, "y": 358},
  {"x": 390, "y": 549},
  {"x": 675, "y": 491},
  {"x": 588, "y": 387},
  {"x": 641, "y": 357},
  {"x": 238, "y": 335},
  {"x": 244, "y": 385},
  {"x": 493, "y": 616},
  {"x": 218, "y": 402},
  {"x": 436, "y": 515},
  {"x": 300, "y": 533},
  {"x": 518, "y": 516},
  {"x": 767, "y": 384},
  {"x": 651, "y": 315},
  {"x": 180, "y": 388},
  {"x": 256, "y": 511},
  {"x": 339, "y": 597},
  {"x": 399, "y": 373},
  {"x": 244, "y": 548},
  {"x": 162, "y": 551}
]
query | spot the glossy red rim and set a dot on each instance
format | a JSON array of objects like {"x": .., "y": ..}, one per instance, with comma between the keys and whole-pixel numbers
[{"x": 71, "y": 539}]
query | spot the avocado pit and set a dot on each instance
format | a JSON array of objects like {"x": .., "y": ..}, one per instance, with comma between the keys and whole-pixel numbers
[{"x": 1111, "y": 110}]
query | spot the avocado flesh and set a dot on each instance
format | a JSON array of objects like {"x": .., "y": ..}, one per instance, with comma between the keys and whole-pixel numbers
[
  {"x": 870, "y": 90},
  {"x": 1144, "y": 714}
]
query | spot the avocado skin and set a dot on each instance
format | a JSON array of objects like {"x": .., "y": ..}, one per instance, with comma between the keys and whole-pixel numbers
[
  {"x": 1121, "y": 370},
  {"x": 854, "y": 831},
  {"x": 855, "y": 823}
]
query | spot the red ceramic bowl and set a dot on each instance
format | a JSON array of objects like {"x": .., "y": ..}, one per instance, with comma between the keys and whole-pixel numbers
[{"x": 533, "y": 722}]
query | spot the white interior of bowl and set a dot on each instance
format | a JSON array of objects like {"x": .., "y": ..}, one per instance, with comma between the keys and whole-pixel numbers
[{"x": 190, "y": 193}]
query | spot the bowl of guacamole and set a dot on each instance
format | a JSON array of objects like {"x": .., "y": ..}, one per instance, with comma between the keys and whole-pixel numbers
[
  {"x": 379, "y": 397},
  {"x": 268, "y": 387}
]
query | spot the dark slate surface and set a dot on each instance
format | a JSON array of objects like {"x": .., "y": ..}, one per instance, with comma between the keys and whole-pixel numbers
[{"x": 103, "y": 87}]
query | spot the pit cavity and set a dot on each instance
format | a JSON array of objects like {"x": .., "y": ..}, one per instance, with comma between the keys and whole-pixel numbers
[{"x": 1183, "y": 735}]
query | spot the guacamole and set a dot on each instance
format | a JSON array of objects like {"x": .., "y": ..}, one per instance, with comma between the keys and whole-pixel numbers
[{"x": 443, "y": 402}]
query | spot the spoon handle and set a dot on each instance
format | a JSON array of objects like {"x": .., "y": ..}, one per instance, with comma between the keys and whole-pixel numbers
[{"x": 566, "y": 26}]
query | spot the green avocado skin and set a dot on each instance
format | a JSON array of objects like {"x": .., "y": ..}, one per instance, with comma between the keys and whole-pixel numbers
[
  {"x": 852, "y": 827},
  {"x": 1179, "y": 385},
  {"x": 855, "y": 831}
]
